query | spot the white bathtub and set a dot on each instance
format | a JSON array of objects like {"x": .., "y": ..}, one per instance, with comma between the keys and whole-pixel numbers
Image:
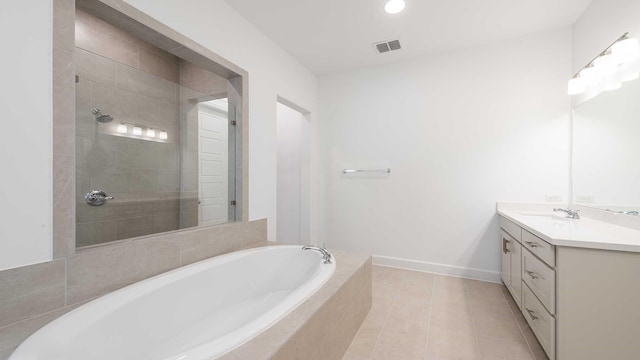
[{"x": 196, "y": 312}]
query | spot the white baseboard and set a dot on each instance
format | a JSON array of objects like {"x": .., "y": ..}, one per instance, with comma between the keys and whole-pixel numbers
[{"x": 467, "y": 273}]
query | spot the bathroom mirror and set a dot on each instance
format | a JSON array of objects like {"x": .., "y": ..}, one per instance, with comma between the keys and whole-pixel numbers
[
  {"x": 606, "y": 150},
  {"x": 158, "y": 137}
]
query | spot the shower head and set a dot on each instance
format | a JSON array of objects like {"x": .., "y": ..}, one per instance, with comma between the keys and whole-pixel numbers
[{"x": 100, "y": 117}]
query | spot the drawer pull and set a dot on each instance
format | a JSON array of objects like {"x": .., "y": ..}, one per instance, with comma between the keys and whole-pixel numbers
[
  {"x": 532, "y": 244},
  {"x": 532, "y": 314},
  {"x": 532, "y": 274},
  {"x": 505, "y": 247}
]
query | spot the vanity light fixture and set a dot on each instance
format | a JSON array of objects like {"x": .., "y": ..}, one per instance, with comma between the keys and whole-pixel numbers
[
  {"x": 394, "y": 6},
  {"x": 626, "y": 49},
  {"x": 139, "y": 132},
  {"x": 617, "y": 63}
]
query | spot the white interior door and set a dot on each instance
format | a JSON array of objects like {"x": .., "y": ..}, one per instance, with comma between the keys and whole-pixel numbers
[{"x": 213, "y": 166}]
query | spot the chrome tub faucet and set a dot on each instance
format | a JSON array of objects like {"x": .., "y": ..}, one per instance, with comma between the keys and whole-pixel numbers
[
  {"x": 571, "y": 214},
  {"x": 326, "y": 255}
]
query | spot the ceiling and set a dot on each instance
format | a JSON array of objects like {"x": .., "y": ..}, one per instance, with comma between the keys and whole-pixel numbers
[{"x": 330, "y": 36}]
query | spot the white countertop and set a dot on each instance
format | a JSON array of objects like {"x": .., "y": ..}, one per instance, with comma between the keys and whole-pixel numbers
[{"x": 586, "y": 232}]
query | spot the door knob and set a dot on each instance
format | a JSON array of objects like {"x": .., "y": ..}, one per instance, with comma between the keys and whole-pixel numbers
[{"x": 97, "y": 197}]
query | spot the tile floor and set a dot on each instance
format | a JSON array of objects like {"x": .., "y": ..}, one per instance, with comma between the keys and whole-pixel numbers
[{"x": 434, "y": 317}]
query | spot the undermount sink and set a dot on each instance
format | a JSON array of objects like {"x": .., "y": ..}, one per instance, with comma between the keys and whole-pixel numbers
[{"x": 547, "y": 216}]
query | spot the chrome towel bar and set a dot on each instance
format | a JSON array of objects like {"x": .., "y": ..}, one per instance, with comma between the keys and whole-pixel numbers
[{"x": 351, "y": 171}]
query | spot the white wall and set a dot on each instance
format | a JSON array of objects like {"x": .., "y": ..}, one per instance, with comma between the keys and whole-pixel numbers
[
  {"x": 272, "y": 73},
  {"x": 25, "y": 150},
  {"x": 600, "y": 25},
  {"x": 460, "y": 131}
]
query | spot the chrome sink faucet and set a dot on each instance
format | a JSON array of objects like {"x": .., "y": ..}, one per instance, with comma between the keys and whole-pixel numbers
[
  {"x": 328, "y": 258},
  {"x": 571, "y": 214}
]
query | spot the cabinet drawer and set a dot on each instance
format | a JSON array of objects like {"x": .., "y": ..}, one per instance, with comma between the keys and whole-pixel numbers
[
  {"x": 511, "y": 228},
  {"x": 542, "y": 323},
  {"x": 541, "y": 279},
  {"x": 539, "y": 247}
]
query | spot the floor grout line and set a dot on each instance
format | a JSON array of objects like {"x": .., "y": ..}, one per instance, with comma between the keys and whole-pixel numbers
[
  {"x": 433, "y": 295},
  {"x": 473, "y": 321},
  {"x": 519, "y": 327}
]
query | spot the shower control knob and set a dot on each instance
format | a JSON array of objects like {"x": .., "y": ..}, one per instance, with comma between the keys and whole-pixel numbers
[{"x": 97, "y": 197}]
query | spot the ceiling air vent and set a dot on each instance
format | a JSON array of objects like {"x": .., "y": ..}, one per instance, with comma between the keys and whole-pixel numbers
[{"x": 386, "y": 46}]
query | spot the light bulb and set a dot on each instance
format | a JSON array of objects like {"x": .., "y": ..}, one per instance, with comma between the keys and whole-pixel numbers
[
  {"x": 626, "y": 49},
  {"x": 589, "y": 73},
  {"x": 606, "y": 64},
  {"x": 576, "y": 86},
  {"x": 122, "y": 128},
  {"x": 630, "y": 70},
  {"x": 394, "y": 6},
  {"x": 163, "y": 135},
  {"x": 611, "y": 82},
  {"x": 151, "y": 132},
  {"x": 137, "y": 130}
]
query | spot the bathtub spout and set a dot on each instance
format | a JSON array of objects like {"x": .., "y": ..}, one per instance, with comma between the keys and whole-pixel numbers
[{"x": 328, "y": 258}]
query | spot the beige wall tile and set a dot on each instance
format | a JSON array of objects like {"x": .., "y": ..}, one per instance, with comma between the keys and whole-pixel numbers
[
  {"x": 200, "y": 244},
  {"x": 367, "y": 336},
  {"x": 63, "y": 24},
  {"x": 166, "y": 67},
  {"x": 63, "y": 102},
  {"x": 63, "y": 207},
  {"x": 41, "y": 300},
  {"x": 139, "y": 108},
  {"x": 27, "y": 280},
  {"x": 256, "y": 233},
  {"x": 96, "y": 232},
  {"x": 133, "y": 227},
  {"x": 95, "y": 68},
  {"x": 201, "y": 80},
  {"x": 104, "y": 97},
  {"x": 98, "y": 37},
  {"x": 168, "y": 181},
  {"x": 98, "y": 271},
  {"x": 12, "y": 335},
  {"x": 136, "y": 81},
  {"x": 114, "y": 210},
  {"x": 165, "y": 222}
]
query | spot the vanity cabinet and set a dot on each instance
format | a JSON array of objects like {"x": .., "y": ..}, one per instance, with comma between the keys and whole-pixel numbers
[
  {"x": 512, "y": 265},
  {"x": 528, "y": 273},
  {"x": 581, "y": 303}
]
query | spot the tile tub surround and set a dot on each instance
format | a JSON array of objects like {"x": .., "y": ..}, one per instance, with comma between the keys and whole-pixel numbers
[
  {"x": 32, "y": 296},
  {"x": 418, "y": 316},
  {"x": 322, "y": 327}
]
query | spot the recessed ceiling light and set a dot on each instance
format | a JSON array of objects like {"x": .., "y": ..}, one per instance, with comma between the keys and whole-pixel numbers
[{"x": 394, "y": 6}]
